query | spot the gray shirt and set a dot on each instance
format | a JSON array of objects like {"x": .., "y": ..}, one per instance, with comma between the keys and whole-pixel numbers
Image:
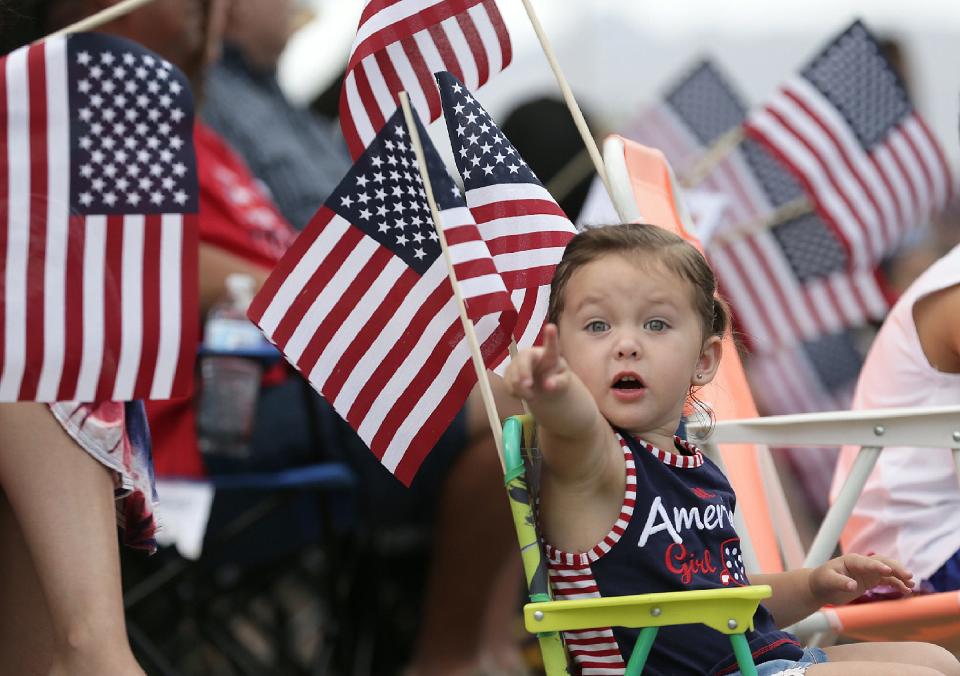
[{"x": 298, "y": 155}]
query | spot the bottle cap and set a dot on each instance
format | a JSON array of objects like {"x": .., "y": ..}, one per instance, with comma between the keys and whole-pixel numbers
[{"x": 240, "y": 288}]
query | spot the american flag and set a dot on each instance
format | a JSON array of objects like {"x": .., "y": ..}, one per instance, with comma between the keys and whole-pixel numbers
[
  {"x": 98, "y": 236},
  {"x": 525, "y": 229},
  {"x": 789, "y": 283},
  {"x": 362, "y": 304},
  {"x": 796, "y": 302},
  {"x": 816, "y": 375},
  {"x": 846, "y": 128},
  {"x": 401, "y": 43}
]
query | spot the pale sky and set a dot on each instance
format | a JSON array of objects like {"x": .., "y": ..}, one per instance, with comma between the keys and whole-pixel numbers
[{"x": 619, "y": 54}]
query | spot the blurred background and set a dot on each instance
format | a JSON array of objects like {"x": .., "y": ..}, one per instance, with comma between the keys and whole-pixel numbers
[
  {"x": 330, "y": 576},
  {"x": 618, "y": 55}
]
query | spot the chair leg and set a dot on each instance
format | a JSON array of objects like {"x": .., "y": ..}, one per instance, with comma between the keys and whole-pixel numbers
[
  {"x": 741, "y": 648},
  {"x": 554, "y": 654},
  {"x": 641, "y": 650}
]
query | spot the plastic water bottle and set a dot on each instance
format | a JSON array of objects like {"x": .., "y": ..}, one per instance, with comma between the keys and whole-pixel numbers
[{"x": 230, "y": 380}]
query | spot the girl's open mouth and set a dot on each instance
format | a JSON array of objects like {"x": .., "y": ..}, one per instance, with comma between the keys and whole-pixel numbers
[{"x": 628, "y": 386}]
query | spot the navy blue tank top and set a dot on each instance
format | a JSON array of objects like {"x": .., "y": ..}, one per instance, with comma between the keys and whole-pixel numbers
[{"x": 675, "y": 533}]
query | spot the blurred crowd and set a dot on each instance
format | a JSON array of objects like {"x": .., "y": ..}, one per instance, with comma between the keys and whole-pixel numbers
[{"x": 430, "y": 575}]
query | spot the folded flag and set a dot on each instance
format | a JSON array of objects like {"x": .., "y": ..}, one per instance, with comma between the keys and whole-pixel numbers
[
  {"x": 846, "y": 128},
  {"x": 523, "y": 226},
  {"x": 362, "y": 306},
  {"x": 98, "y": 237},
  {"x": 398, "y": 47}
]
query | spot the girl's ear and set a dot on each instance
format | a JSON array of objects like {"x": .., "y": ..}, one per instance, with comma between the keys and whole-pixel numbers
[{"x": 708, "y": 363}]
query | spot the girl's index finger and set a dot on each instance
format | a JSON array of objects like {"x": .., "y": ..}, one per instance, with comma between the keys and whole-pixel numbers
[
  {"x": 551, "y": 350},
  {"x": 549, "y": 358}
]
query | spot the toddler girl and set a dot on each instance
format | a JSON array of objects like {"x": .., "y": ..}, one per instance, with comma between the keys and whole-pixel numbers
[{"x": 626, "y": 507}]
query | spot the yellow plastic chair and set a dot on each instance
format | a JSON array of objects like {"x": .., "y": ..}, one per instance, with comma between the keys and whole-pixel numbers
[{"x": 729, "y": 611}]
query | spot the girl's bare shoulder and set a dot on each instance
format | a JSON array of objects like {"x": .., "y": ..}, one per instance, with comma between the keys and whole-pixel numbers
[{"x": 577, "y": 512}]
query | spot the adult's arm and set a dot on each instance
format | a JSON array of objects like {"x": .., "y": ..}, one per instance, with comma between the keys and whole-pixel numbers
[
  {"x": 215, "y": 265},
  {"x": 937, "y": 317}
]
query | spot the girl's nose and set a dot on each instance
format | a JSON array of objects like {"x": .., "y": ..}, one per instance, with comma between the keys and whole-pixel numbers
[{"x": 627, "y": 348}]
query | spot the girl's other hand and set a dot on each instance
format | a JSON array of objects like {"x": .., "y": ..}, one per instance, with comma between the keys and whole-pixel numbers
[{"x": 847, "y": 577}]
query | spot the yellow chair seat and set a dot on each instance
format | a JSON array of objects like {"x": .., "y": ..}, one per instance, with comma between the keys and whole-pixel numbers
[{"x": 726, "y": 610}]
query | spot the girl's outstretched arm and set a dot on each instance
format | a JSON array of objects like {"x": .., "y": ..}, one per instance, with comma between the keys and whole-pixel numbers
[{"x": 569, "y": 423}]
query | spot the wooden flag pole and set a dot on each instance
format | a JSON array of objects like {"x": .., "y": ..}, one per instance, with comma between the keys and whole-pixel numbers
[
  {"x": 715, "y": 154},
  {"x": 514, "y": 350},
  {"x": 720, "y": 148},
  {"x": 570, "y": 175},
  {"x": 105, "y": 15},
  {"x": 571, "y": 102},
  {"x": 486, "y": 392},
  {"x": 787, "y": 211}
]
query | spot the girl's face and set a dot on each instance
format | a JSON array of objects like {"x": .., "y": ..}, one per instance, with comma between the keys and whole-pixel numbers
[{"x": 632, "y": 335}]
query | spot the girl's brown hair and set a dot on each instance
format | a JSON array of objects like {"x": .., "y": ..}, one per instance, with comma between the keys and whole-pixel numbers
[{"x": 654, "y": 244}]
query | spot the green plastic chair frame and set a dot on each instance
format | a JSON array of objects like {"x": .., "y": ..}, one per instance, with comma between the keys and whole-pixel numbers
[{"x": 729, "y": 611}]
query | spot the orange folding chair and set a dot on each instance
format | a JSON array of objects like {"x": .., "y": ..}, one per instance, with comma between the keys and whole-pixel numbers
[
  {"x": 644, "y": 189},
  {"x": 643, "y": 186}
]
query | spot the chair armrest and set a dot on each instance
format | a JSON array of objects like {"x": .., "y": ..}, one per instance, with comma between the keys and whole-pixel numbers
[
  {"x": 729, "y": 611},
  {"x": 930, "y": 427},
  {"x": 330, "y": 475}
]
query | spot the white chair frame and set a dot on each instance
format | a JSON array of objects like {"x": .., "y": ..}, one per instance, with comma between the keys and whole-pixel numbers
[{"x": 872, "y": 430}]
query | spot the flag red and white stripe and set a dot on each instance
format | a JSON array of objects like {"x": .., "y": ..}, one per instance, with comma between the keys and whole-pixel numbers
[
  {"x": 526, "y": 231},
  {"x": 362, "y": 304},
  {"x": 401, "y": 43},
  {"x": 383, "y": 345},
  {"x": 865, "y": 156},
  {"x": 92, "y": 307},
  {"x": 773, "y": 307},
  {"x": 873, "y": 198},
  {"x": 523, "y": 226}
]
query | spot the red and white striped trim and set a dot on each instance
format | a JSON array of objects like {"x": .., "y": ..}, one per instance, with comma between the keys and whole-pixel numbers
[
  {"x": 594, "y": 651},
  {"x": 556, "y": 556},
  {"x": 695, "y": 459}
]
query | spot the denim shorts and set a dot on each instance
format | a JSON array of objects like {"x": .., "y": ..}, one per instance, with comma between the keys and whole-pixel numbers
[
  {"x": 810, "y": 657},
  {"x": 948, "y": 577}
]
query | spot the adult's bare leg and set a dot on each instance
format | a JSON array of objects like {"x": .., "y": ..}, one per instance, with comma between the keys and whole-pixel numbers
[
  {"x": 26, "y": 631},
  {"x": 912, "y": 656},
  {"x": 500, "y": 641},
  {"x": 501, "y": 632},
  {"x": 62, "y": 499},
  {"x": 870, "y": 669},
  {"x": 473, "y": 543}
]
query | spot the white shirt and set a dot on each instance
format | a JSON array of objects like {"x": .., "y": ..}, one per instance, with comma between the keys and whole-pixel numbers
[{"x": 910, "y": 506}]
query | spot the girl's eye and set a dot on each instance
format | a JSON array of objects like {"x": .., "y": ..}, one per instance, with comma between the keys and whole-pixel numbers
[
  {"x": 597, "y": 326},
  {"x": 656, "y": 325}
]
